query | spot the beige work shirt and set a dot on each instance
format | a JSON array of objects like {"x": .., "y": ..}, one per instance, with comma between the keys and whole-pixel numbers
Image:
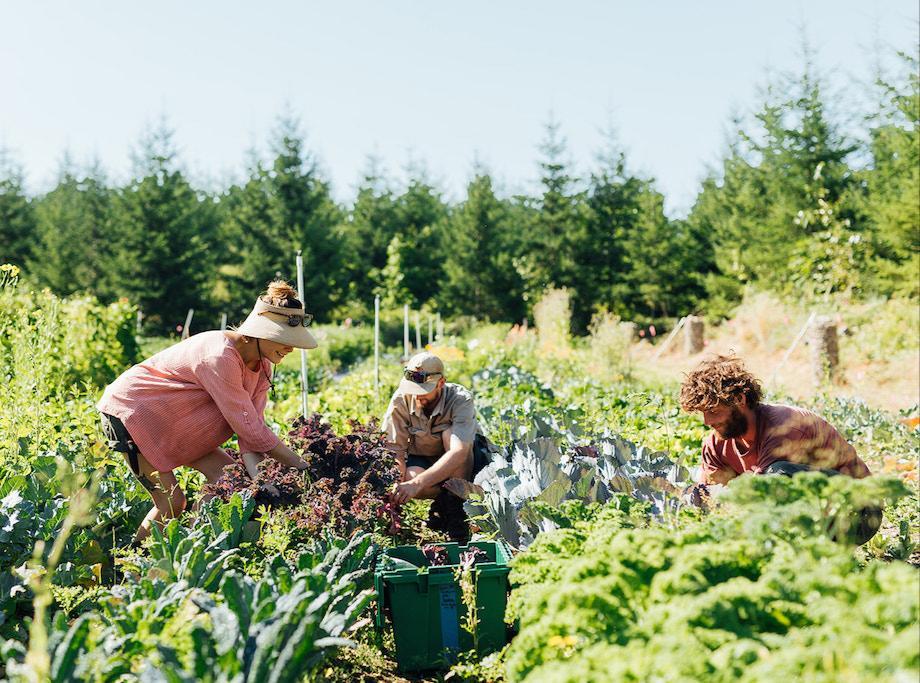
[{"x": 409, "y": 431}]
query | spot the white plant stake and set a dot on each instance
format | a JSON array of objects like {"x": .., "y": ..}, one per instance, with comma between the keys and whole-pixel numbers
[
  {"x": 304, "y": 386},
  {"x": 406, "y": 332},
  {"x": 188, "y": 323},
  {"x": 376, "y": 349},
  {"x": 418, "y": 334},
  {"x": 430, "y": 329},
  {"x": 223, "y": 322}
]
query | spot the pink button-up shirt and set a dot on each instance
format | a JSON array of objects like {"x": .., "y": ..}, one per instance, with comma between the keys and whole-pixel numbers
[{"x": 187, "y": 400}]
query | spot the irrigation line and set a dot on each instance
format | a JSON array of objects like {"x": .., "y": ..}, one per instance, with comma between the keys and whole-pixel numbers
[
  {"x": 680, "y": 323},
  {"x": 792, "y": 347}
]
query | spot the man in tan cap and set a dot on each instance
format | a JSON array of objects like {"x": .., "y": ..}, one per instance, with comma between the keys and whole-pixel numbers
[{"x": 431, "y": 427}]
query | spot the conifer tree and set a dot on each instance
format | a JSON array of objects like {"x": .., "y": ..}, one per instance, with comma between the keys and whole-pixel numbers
[
  {"x": 372, "y": 224},
  {"x": 558, "y": 225},
  {"x": 793, "y": 156},
  {"x": 17, "y": 215},
  {"x": 284, "y": 206},
  {"x": 162, "y": 238},
  {"x": 892, "y": 200},
  {"x": 72, "y": 227},
  {"x": 415, "y": 256},
  {"x": 480, "y": 278}
]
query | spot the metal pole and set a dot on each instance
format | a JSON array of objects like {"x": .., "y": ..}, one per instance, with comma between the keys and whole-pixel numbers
[
  {"x": 406, "y": 332},
  {"x": 377, "y": 349},
  {"x": 304, "y": 385},
  {"x": 223, "y": 322},
  {"x": 188, "y": 323},
  {"x": 418, "y": 333},
  {"x": 430, "y": 329},
  {"x": 440, "y": 329}
]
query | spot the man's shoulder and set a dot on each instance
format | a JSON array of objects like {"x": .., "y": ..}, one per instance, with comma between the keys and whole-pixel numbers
[
  {"x": 782, "y": 412},
  {"x": 458, "y": 401},
  {"x": 789, "y": 417},
  {"x": 458, "y": 392}
]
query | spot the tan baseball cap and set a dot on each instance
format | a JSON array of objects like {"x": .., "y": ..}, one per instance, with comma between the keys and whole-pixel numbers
[
  {"x": 421, "y": 374},
  {"x": 279, "y": 324}
]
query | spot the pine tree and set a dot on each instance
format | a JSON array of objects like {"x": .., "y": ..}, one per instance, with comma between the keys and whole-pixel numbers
[
  {"x": 558, "y": 226},
  {"x": 794, "y": 155},
  {"x": 163, "y": 233},
  {"x": 372, "y": 224},
  {"x": 72, "y": 223},
  {"x": 285, "y": 206},
  {"x": 612, "y": 212},
  {"x": 892, "y": 201},
  {"x": 17, "y": 215},
  {"x": 415, "y": 256},
  {"x": 479, "y": 276}
]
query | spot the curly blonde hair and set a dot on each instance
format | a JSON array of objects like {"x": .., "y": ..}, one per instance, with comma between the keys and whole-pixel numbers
[{"x": 720, "y": 380}]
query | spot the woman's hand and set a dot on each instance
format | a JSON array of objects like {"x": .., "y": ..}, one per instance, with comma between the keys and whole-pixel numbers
[
  {"x": 283, "y": 454},
  {"x": 251, "y": 463}
]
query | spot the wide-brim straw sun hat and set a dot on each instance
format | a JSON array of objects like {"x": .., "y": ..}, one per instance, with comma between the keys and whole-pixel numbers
[{"x": 279, "y": 324}]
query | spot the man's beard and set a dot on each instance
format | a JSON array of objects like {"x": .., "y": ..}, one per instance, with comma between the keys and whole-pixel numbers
[{"x": 736, "y": 425}]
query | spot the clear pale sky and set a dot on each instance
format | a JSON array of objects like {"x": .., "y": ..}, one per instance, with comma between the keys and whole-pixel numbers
[{"x": 437, "y": 83}]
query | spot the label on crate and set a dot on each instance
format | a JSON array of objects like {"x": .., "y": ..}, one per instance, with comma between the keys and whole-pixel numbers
[{"x": 450, "y": 622}]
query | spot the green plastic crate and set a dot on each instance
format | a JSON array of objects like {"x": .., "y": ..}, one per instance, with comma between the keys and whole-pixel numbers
[{"x": 426, "y": 608}]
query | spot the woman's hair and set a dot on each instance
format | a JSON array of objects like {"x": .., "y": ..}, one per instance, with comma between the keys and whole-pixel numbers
[
  {"x": 720, "y": 380},
  {"x": 280, "y": 293}
]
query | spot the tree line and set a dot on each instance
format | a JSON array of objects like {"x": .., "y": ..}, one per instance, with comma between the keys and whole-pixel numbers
[{"x": 799, "y": 204}]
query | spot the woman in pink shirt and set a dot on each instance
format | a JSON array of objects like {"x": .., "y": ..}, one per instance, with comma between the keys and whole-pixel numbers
[{"x": 177, "y": 407}]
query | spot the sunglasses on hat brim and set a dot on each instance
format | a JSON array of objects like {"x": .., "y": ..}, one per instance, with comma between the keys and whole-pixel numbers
[
  {"x": 304, "y": 320},
  {"x": 419, "y": 376}
]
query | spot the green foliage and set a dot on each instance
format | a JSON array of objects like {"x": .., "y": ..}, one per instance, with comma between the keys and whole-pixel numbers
[
  {"x": 162, "y": 238},
  {"x": 17, "y": 214},
  {"x": 73, "y": 234},
  {"x": 415, "y": 255},
  {"x": 284, "y": 206},
  {"x": 186, "y": 617},
  {"x": 480, "y": 276},
  {"x": 740, "y": 595},
  {"x": 893, "y": 182},
  {"x": 373, "y": 223}
]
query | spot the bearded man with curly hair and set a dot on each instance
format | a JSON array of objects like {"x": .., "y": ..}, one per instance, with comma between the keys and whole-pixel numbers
[{"x": 751, "y": 436}]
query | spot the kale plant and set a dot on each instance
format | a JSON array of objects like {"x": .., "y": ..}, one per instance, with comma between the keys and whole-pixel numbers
[{"x": 529, "y": 475}]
